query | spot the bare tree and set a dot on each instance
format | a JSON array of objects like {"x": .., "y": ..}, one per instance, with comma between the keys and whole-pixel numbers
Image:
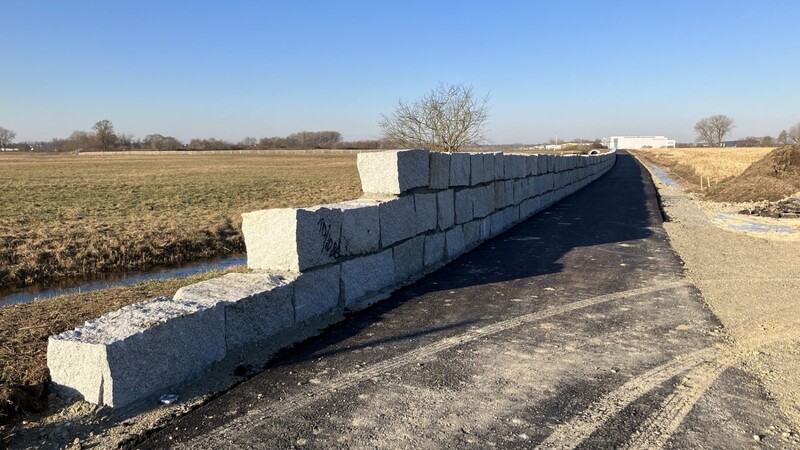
[
  {"x": 793, "y": 134},
  {"x": 783, "y": 138},
  {"x": 104, "y": 133},
  {"x": 446, "y": 120},
  {"x": 6, "y": 137},
  {"x": 713, "y": 129}
]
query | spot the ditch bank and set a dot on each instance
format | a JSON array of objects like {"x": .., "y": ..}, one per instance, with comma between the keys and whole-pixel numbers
[{"x": 419, "y": 211}]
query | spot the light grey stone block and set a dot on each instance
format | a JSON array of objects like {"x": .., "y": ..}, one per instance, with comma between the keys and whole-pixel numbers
[
  {"x": 393, "y": 171},
  {"x": 483, "y": 201},
  {"x": 519, "y": 190},
  {"x": 472, "y": 233},
  {"x": 459, "y": 169},
  {"x": 408, "y": 259},
  {"x": 530, "y": 161},
  {"x": 511, "y": 215},
  {"x": 316, "y": 293},
  {"x": 426, "y": 212},
  {"x": 509, "y": 170},
  {"x": 292, "y": 239},
  {"x": 509, "y": 186},
  {"x": 257, "y": 305},
  {"x": 445, "y": 203},
  {"x": 398, "y": 220},
  {"x": 486, "y": 228},
  {"x": 440, "y": 170},
  {"x": 499, "y": 166},
  {"x": 499, "y": 188},
  {"x": 367, "y": 276},
  {"x": 464, "y": 199},
  {"x": 360, "y": 227},
  {"x": 434, "y": 249},
  {"x": 488, "y": 167},
  {"x": 454, "y": 242},
  {"x": 137, "y": 352},
  {"x": 497, "y": 223},
  {"x": 551, "y": 163},
  {"x": 476, "y": 175}
]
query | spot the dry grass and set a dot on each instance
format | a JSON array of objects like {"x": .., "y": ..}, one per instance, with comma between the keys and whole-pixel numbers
[
  {"x": 716, "y": 164},
  {"x": 69, "y": 215}
]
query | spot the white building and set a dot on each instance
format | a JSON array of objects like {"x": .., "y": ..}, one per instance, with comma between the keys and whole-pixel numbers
[{"x": 637, "y": 142}]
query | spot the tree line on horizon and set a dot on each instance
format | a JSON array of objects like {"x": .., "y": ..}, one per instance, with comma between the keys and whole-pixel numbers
[
  {"x": 103, "y": 137},
  {"x": 712, "y": 130}
]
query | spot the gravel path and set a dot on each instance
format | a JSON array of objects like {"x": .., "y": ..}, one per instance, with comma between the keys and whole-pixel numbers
[{"x": 751, "y": 282}]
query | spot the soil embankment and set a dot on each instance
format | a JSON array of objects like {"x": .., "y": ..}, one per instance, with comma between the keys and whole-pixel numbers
[{"x": 772, "y": 178}]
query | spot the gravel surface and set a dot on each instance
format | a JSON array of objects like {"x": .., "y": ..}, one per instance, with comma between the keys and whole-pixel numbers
[{"x": 751, "y": 282}]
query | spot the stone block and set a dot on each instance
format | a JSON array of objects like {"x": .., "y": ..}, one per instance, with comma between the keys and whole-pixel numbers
[
  {"x": 531, "y": 163},
  {"x": 464, "y": 199},
  {"x": 360, "y": 227},
  {"x": 472, "y": 233},
  {"x": 483, "y": 201},
  {"x": 520, "y": 188},
  {"x": 394, "y": 171},
  {"x": 551, "y": 163},
  {"x": 509, "y": 187},
  {"x": 439, "y": 171},
  {"x": 316, "y": 293},
  {"x": 257, "y": 305},
  {"x": 408, "y": 259},
  {"x": 137, "y": 352},
  {"x": 499, "y": 166},
  {"x": 511, "y": 215},
  {"x": 426, "y": 212},
  {"x": 454, "y": 242},
  {"x": 292, "y": 239},
  {"x": 486, "y": 228},
  {"x": 398, "y": 220},
  {"x": 476, "y": 175},
  {"x": 459, "y": 169},
  {"x": 434, "y": 249},
  {"x": 499, "y": 188},
  {"x": 445, "y": 203},
  {"x": 488, "y": 167},
  {"x": 367, "y": 276},
  {"x": 497, "y": 223}
]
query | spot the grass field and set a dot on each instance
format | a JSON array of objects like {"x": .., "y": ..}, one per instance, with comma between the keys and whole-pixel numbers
[
  {"x": 73, "y": 216},
  {"x": 714, "y": 164}
]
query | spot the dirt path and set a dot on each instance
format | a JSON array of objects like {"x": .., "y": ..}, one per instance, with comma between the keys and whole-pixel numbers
[{"x": 751, "y": 281}]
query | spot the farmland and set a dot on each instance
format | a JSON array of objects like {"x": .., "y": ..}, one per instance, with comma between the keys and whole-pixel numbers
[{"x": 80, "y": 215}]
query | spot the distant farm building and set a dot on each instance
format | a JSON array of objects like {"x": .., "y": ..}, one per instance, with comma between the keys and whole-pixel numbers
[{"x": 637, "y": 142}]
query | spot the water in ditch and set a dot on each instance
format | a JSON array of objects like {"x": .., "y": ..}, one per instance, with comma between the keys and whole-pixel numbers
[{"x": 62, "y": 287}]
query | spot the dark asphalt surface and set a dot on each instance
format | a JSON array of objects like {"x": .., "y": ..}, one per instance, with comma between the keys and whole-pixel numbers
[{"x": 575, "y": 329}]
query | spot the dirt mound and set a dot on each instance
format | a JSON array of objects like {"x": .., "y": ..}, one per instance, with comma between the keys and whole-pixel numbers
[
  {"x": 774, "y": 177},
  {"x": 789, "y": 209}
]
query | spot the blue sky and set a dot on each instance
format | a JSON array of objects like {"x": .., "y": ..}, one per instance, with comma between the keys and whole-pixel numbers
[{"x": 235, "y": 69}]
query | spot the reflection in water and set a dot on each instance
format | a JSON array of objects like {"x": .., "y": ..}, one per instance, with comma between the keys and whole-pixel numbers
[
  {"x": 663, "y": 176},
  {"x": 61, "y": 287}
]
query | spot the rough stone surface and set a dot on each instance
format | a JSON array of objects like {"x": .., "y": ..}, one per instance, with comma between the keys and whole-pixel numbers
[
  {"x": 397, "y": 219},
  {"x": 486, "y": 228},
  {"x": 464, "y": 200},
  {"x": 499, "y": 166},
  {"x": 483, "y": 201},
  {"x": 531, "y": 162},
  {"x": 472, "y": 233},
  {"x": 488, "y": 167},
  {"x": 440, "y": 170},
  {"x": 476, "y": 175},
  {"x": 257, "y": 305},
  {"x": 394, "y": 171},
  {"x": 408, "y": 259},
  {"x": 292, "y": 239},
  {"x": 499, "y": 189},
  {"x": 434, "y": 249},
  {"x": 445, "y": 209},
  {"x": 425, "y": 210},
  {"x": 498, "y": 223},
  {"x": 360, "y": 227},
  {"x": 316, "y": 293},
  {"x": 366, "y": 276},
  {"x": 459, "y": 169},
  {"x": 136, "y": 352},
  {"x": 509, "y": 186},
  {"x": 454, "y": 242},
  {"x": 520, "y": 187}
]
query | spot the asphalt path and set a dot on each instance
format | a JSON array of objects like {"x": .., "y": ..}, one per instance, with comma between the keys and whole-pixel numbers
[{"x": 574, "y": 329}]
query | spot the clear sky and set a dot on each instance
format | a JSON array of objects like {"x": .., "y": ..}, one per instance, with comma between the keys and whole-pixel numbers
[{"x": 269, "y": 68}]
